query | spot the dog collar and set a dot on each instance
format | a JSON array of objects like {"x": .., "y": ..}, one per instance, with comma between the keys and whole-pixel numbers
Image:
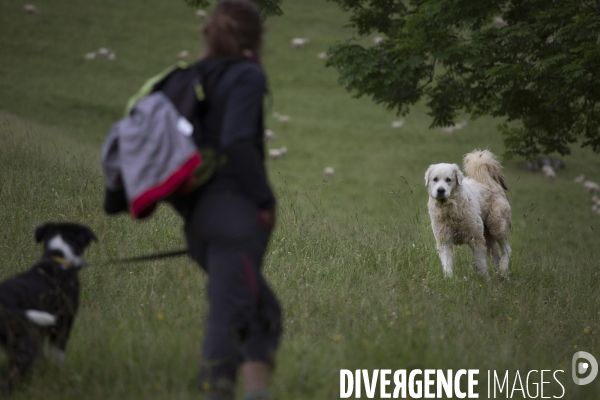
[{"x": 61, "y": 260}]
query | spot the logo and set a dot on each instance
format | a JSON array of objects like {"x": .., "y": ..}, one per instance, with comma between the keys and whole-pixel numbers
[{"x": 581, "y": 368}]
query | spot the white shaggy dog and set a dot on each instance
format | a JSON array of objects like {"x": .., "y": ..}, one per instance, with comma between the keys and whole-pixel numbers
[{"x": 472, "y": 210}]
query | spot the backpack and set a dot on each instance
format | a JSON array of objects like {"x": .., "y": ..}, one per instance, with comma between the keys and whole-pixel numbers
[{"x": 151, "y": 154}]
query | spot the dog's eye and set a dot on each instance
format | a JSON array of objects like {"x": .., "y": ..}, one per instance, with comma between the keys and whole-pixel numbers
[
  {"x": 435, "y": 179},
  {"x": 448, "y": 180}
]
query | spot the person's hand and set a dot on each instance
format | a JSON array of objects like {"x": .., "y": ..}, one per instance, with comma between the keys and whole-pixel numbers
[{"x": 268, "y": 218}]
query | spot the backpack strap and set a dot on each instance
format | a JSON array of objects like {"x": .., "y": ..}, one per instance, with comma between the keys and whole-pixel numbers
[
  {"x": 207, "y": 77},
  {"x": 210, "y": 78},
  {"x": 151, "y": 84}
]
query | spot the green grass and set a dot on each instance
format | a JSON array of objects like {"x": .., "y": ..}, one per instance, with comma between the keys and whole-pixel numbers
[{"x": 352, "y": 260}]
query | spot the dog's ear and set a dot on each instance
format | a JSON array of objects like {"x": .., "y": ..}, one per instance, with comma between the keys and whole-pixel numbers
[
  {"x": 43, "y": 230},
  {"x": 87, "y": 235},
  {"x": 458, "y": 174},
  {"x": 427, "y": 175}
]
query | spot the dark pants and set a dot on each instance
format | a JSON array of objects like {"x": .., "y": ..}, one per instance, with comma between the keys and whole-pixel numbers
[{"x": 226, "y": 238}]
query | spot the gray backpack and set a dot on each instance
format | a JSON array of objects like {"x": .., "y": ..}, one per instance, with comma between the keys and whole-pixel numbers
[{"x": 150, "y": 154}]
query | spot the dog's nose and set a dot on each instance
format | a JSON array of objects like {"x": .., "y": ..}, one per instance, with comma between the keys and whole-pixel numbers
[{"x": 441, "y": 191}]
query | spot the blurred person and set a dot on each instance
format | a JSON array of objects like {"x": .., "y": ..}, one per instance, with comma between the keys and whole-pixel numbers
[{"x": 229, "y": 220}]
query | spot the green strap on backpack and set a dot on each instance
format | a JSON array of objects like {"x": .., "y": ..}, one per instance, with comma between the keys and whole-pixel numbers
[{"x": 150, "y": 84}]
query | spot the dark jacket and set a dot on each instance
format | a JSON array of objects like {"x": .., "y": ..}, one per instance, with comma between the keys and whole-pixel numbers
[{"x": 233, "y": 124}]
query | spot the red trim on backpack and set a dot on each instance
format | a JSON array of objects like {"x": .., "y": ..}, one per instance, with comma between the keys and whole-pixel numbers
[
  {"x": 143, "y": 205},
  {"x": 250, "y": 273}
]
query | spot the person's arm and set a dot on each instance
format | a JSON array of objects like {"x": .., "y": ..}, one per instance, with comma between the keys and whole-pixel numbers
[
  {"x": 239, "y": 137},
  {"x": 245, "y": 164}
]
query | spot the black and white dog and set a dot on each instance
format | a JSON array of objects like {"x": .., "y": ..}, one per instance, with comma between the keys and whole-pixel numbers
[{"x": 43, "y": 301}]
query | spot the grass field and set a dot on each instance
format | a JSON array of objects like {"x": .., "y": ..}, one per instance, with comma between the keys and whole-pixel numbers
[{"x": 353, "y": 260}]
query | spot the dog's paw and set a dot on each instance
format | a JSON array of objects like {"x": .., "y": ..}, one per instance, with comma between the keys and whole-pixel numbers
[
  {"x": 56, "y": 355},
  {"x": 41, "y": 318}
]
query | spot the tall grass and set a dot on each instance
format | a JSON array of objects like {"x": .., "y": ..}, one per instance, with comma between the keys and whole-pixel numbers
[{"x": 356, "y": 293}]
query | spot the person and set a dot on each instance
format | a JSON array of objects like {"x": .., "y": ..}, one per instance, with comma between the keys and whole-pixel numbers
[{"x": 229, "y": 220}]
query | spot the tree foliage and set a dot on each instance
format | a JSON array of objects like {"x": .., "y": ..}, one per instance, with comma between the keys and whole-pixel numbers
[
  {"x": 268, "y": 7},
  {"x": 531, "y": 63}
]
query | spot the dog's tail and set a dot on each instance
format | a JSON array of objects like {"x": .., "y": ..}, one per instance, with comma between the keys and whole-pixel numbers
[
  {"x": 484, "y": 167},
  {"x": 40, "y": 318}
]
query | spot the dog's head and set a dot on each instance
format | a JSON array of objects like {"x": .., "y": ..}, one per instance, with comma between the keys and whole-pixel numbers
[
  {"x": 65, "y": 240},
  {"x": 442, "y": 179}
]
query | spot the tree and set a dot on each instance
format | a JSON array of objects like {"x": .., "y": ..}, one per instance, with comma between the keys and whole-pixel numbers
[
  {"x": 532, "y": 63},
  {"x": 269, "y": 7}
]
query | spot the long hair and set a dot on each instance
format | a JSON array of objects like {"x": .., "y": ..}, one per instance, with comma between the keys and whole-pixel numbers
[{"x": 234, "y": 29}]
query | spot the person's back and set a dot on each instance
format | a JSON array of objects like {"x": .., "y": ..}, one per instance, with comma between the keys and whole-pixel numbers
[{"x": 233, "y": 124}]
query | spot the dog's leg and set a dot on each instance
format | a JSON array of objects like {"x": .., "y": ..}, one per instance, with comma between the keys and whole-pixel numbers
[
  {"x": 504, "y": 257},
  {"x": 58, "y": 340},
  {"x": 40, "y": 318},
  {"x": 478, "y": 247},
  {"x": 56, "y": 355},
  {"x": 21, "y": 348},
  {"x": 21, "y": 356},
  {"x": 446, "y": 252},
  {"x": 492, "y": 249}
]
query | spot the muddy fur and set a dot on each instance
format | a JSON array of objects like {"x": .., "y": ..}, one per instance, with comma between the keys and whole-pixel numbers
[{"x": 471, "y": 210}]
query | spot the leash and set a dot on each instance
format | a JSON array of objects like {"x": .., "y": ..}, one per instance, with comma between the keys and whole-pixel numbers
[
  {"x": 157, "y": 256},
  {"x": 149, "y": 257}
]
